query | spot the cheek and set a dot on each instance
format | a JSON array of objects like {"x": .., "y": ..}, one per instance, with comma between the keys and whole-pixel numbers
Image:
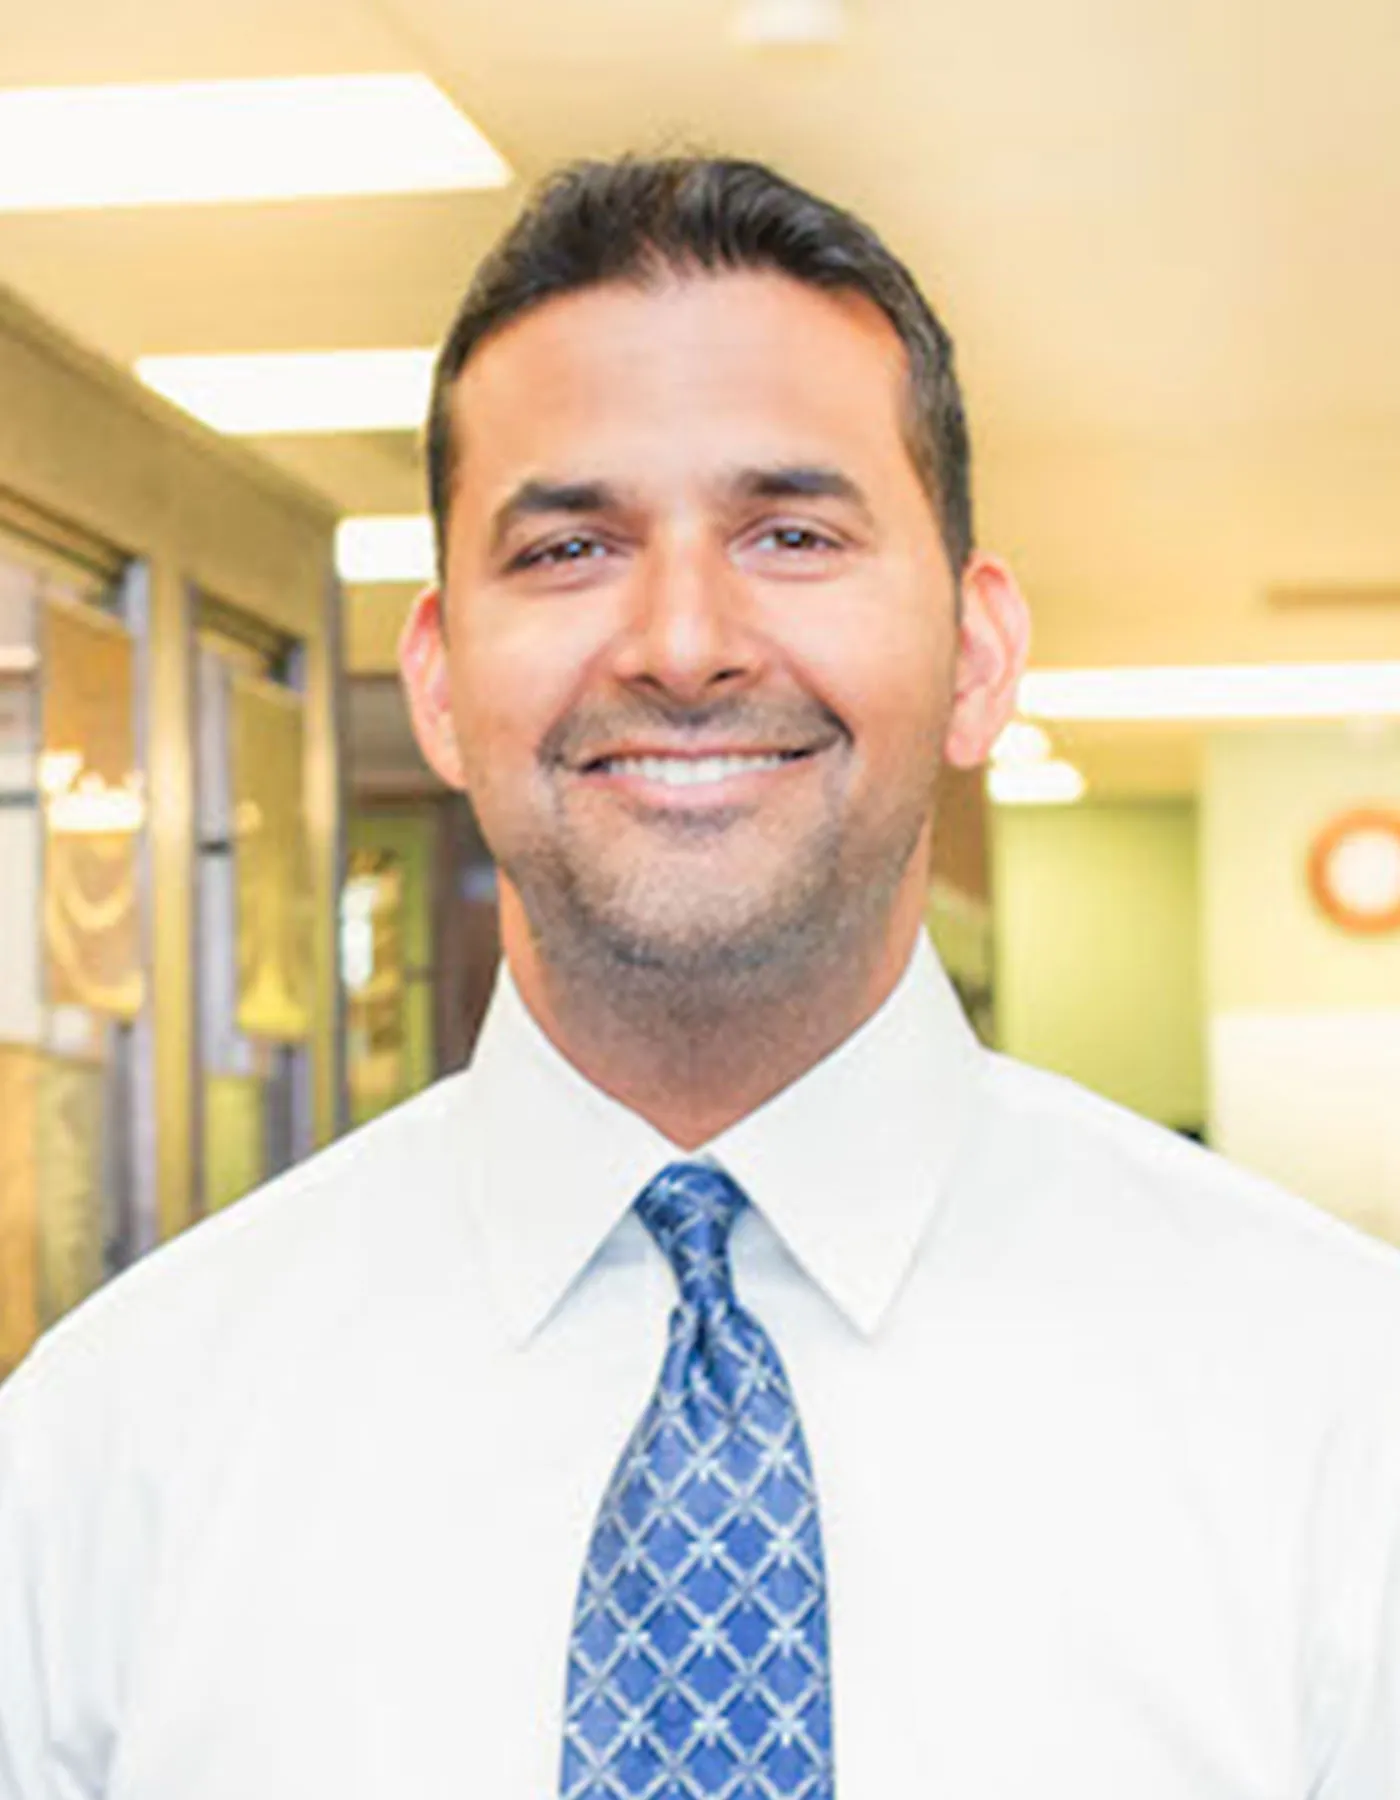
[
  {"x": 514, "y": 677},
  {"x": 890, "y": 679}
]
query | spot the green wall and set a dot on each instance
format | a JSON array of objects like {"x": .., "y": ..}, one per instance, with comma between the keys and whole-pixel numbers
[{"x": 1097, "y": 944}]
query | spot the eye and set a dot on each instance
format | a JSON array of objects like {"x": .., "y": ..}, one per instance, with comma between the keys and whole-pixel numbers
[
  {"x": 795, "y": 538},
  {"x": 793, "y": 549},
  {"x": 561, "y": 553}
]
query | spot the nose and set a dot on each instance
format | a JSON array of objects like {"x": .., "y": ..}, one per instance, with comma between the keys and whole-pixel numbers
[{"x": 688, "y": 631}]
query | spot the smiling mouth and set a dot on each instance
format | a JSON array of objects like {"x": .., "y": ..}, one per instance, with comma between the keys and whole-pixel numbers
[{"x": 693, "y": 771}]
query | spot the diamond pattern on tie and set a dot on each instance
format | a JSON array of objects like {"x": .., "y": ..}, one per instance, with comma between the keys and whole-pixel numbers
[{"x": 699, "y": 1664}]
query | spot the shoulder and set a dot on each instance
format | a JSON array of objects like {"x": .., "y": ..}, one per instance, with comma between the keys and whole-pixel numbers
[
  {"x": 1162, "y": 1218},
  {"x": 1241, "y": 1343},
  {"x": 238, "y": 1297}
]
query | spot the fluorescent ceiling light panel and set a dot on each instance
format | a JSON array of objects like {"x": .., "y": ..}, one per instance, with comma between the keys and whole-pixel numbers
[
  {"x": 1021, "y": 742},
  {"x": 190, "y": 142},
  {"x": 385, "y": 547},
  {"x": 1035, "y": 784},
  {"x": 1230, "y": 691},
  {"x": 316, "y": 390}
]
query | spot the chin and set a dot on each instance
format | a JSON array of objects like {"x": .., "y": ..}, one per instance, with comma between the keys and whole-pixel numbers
[
  {"x": 698, "y": 948},
  {"x": 699, "y": 923}
]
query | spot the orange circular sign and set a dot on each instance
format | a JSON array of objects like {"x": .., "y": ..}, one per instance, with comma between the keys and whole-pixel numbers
[{"x": 1354, "y": 870}]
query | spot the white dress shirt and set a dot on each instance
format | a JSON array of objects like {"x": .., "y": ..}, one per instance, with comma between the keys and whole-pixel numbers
[{"x": 1106, "y": 1435}]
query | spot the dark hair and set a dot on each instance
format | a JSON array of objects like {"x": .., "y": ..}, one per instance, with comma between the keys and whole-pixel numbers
[{"x": 634, "y": 219}]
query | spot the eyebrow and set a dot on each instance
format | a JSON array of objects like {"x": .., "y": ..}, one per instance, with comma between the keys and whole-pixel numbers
[
  {"x": 533, "y": 498},
  {"x": 784, "y": 481},
  {"x": 799, "y": 481}
]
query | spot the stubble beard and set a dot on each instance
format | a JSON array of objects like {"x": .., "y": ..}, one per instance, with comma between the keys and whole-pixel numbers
[{"x": 665, "y": 948}]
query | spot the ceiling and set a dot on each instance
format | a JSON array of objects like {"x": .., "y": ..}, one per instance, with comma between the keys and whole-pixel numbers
[{"x": 1166, "y": 235}]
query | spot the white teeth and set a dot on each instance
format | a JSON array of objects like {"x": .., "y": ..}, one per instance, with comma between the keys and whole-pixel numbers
[{"x": 689, "y": 771}]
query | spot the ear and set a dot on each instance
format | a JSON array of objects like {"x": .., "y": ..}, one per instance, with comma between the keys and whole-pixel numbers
[
  {"x": 993, "y": 642},
  {"x": 423, "y": 668}
]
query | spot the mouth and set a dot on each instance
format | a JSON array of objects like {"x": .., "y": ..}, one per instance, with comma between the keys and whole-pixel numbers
[
  {"x": 693, "y": 783},
  {"x": 666, "y": 769}
]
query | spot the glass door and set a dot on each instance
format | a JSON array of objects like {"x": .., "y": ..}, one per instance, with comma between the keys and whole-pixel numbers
[
  {"x": 76, "y": 1200},
  {"x": 255, "y": 919}
]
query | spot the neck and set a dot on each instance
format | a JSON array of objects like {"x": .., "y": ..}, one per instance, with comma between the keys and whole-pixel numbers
[{"x": 694, "y": 1063}]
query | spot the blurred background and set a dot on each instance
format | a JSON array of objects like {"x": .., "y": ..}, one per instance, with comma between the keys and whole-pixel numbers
[{"x": 236, "y": 913}]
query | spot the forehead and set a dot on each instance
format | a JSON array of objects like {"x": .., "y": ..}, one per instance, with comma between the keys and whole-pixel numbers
[{"x": 690, "y": 370}]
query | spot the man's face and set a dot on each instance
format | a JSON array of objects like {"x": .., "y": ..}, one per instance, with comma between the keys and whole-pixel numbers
[{"x": 698, "y": 645}]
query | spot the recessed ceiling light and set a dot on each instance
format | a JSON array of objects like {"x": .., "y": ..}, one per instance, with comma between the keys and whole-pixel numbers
[
  {"x": 386, "y": 547},
  {"x": 1035, "y": 784},
  {"x": 192, "y": 142},
  {"x": 316, "y": 390},
  {"x": 1230, "y": 691},
  {"x": 779, "y": 22}
]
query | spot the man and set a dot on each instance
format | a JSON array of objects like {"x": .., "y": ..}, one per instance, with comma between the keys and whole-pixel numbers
[{"x": 1000, "y": 1445}]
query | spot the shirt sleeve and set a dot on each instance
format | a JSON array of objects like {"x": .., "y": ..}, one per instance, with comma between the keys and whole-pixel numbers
[
  {"x": 33, "y": 1762},
  {"x": 23, "y": 1705},
  {"x": 1365, "y": 1759}
]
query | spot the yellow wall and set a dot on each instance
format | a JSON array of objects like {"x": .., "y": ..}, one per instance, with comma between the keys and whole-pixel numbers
[
  {"x": 374, "y": 617},
  {"x": 1097, "y": 950}
]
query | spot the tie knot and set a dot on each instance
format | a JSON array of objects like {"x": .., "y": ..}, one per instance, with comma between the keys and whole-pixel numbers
[{"x": 690, "y": 1209}]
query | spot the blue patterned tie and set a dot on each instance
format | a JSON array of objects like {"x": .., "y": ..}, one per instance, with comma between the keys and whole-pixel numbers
[{"x": 699, "y": 1664}]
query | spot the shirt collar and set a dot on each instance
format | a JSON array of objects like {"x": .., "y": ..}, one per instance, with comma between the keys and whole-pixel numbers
[{"x": 846, "y": 1164}]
